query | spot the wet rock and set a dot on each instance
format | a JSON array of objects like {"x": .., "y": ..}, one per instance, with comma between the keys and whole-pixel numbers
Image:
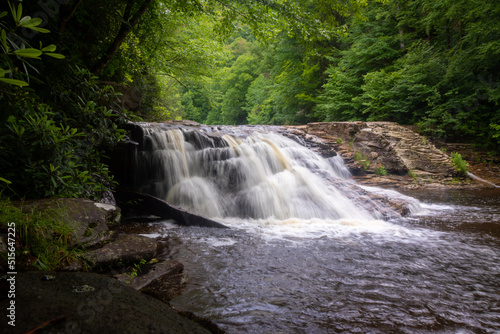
[
  {"x": 152, "y": 205},
  {"x": 388, "y": 144},
  {"x": 126, "y": 249},
  {"x": 88, "y": 219},
  {"x": 164, "y": 280},
  {"x": 89, "y": 303}
]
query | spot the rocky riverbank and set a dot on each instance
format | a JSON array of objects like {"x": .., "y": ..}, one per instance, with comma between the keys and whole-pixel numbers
[
  {"x": 114, "y": 285},
  {"x": 389, "y": 155}
]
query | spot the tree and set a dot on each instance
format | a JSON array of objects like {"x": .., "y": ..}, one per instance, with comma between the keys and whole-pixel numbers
[{"x": 129, "y": 19}]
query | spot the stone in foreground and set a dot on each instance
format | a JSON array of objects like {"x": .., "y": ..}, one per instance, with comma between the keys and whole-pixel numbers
[
  {"x": 89, "y": 303},
  {"x": 126, "y": 249}
]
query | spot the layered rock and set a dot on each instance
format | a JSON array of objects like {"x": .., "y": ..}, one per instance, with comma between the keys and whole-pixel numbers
[{"x": 387, "y": 145}]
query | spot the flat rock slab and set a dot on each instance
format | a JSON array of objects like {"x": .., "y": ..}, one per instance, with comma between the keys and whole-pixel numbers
[
  {"x": 164, "y": 281},
  {"x": 88, "y": 219},
  {"x": 88, "y": 303},
  {"x": 126, "y": 249}
]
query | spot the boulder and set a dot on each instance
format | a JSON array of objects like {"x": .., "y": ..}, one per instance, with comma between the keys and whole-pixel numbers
[
  {"x": 164, "y": 280},
  {"x": 62, "y": 302},
  {"x": 151, "y": 205},
  {"x": 88, "y": 219},
  {"x": 126, "y": 249}
]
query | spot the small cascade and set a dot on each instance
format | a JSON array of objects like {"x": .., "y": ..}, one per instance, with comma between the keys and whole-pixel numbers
[
  {"x": 338, "y": 165},
  {"x": 477, "y": 178},
  {"x": 250, "y": 173}
]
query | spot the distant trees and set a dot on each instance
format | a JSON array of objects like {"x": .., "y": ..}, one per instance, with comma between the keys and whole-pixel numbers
[{"x": 431, "y": 63}]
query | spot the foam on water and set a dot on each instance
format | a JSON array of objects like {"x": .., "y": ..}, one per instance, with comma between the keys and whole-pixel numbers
[{"x": 296, "y": 229}]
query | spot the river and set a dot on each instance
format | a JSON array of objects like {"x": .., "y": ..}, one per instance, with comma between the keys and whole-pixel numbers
[{"x": 436, "y": 271}]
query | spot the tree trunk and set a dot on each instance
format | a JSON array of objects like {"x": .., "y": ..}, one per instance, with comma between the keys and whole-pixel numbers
[{"x": 125, "y": 29}]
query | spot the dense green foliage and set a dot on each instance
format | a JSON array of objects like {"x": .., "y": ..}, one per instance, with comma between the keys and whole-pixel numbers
[
  {"x": 63, "y": 68},
  {"x": 431, "y": 63},
  {"x": 460, "y": 164},
  {"x": 434, "y": 64}
]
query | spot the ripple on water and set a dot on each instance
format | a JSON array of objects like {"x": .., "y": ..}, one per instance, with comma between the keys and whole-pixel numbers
[{"x": 403, "y": 276}]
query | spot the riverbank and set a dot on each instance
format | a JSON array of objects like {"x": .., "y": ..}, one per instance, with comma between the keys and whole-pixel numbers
[
  {"x": 389, "y": 155},
  {"x": 101, "y": 280}
]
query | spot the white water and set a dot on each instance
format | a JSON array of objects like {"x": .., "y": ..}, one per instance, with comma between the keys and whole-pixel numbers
[{"x": 262, "y": 182}]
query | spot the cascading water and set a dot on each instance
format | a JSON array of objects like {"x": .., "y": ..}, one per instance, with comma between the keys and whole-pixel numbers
[
  {"x": 309, "y": 251},
  {"x": 249, "y": 173}
]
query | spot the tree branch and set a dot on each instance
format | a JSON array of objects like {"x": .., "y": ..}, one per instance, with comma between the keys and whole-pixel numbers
[{"x": 125, "y": 29}]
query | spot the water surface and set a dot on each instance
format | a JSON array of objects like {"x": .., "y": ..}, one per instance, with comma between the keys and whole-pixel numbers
[{"x": 435, "y": 272}]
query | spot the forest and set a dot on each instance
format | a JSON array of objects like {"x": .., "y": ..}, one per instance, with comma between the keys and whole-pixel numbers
[{"x": 67, "y": 65}]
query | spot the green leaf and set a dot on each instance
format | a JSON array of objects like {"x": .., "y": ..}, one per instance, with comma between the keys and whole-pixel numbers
[
  {"x": 19, "y": 12},
  {"x": 14, "y": 82},
  {"x": 28, "y": 22},
  {"x": 2, "y": 14},
  {"x": 42, "y": 30},
  {"x": 50, "y": 48},
  {"x": 13, "y": 11},
  {"x": 28, "y": 53},
  {"x": 24, "y": 19},
  {"x": 56, "y": 55},
  {"x": 4, "y": 180},
  {"x": 3, "y": 39}
]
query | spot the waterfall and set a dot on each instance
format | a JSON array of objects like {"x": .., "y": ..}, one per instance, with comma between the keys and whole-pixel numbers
[{"x": 249, "y": 173}]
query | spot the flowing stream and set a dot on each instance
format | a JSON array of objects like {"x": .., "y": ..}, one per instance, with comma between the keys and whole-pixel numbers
[{"x": 309, "y": 251}]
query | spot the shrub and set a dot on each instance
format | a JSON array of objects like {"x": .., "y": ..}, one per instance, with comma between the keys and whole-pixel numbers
[
  {"x": 58, "y": 150},
  {"x": 380, "y": 170},
  {"x": 460, "y": 164},
  {"x": 362, "y": 160}
]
